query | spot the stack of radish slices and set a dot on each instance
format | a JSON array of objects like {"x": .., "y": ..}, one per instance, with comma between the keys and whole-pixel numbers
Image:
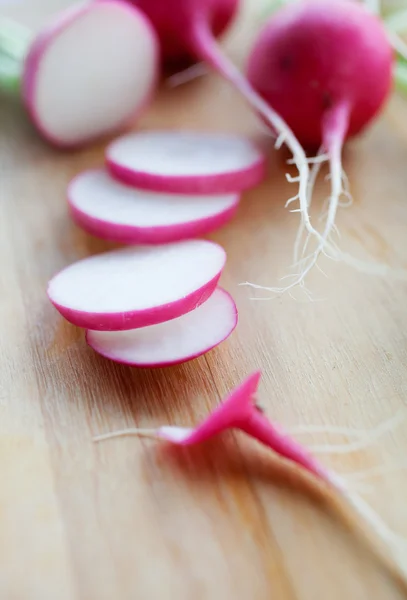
[{"x": 157, "y": 303}]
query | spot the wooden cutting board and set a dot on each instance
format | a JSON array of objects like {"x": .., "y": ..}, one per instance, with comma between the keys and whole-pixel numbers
[{"x": 127, "y": 520}]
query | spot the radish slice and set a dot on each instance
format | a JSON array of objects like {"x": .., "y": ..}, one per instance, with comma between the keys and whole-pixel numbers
[
  {"x": 186, "y": 162},
  {"x": 111, "y": 210},
  {"x": 136, "y": 287},
  {"x": 173, "y": 342},
  {"x": 90, "y": 72}
]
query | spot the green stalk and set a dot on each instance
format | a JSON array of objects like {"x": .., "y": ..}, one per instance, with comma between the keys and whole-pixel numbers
[
  {"x": 14, "y": 42},
  {"x": 400, "y": 77}
]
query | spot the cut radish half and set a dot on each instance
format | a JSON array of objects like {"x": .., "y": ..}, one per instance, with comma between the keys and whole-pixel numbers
[
  {"x": 111, "y": 210},
  {"x": 90, "y": 71},
  {"x": 186, "y": 162},
  {"x": 136, "y": 287},
  {"x": 173, "y": 342}
]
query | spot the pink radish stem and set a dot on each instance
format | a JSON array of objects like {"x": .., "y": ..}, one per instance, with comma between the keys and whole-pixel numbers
[{"x": 207, "y": 49}]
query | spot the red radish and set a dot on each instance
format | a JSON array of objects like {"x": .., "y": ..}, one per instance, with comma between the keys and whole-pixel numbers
[
  {"x": 137, "y": 286},
  {"x": 175, "y": 45},
  {"x": 90, "y": 72},
  {"x": 326, "y": 67},
  {"x": 186, "y": 162},
  {"x": 173, "y": 342},
  {"x": 108, "y": 209},
  {"x": 239, "y": 411}
]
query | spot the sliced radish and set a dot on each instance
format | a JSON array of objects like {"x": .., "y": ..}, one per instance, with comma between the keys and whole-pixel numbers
[
  {"x": 90, "y": 71},
  {"x": 138, "y": 286},
  {"x": 186, "y": 162},
  {"x": 173, "y": 342},
  {"x": 114, "y": 211}
]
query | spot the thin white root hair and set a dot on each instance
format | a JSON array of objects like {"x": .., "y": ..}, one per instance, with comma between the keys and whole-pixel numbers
[
  {"x": 291, "y": 200},
  {"x": 306, "y": 264},
  {"x": 377, "y": 471},
  {"x": 311, "y": 185},
  {"x": 367, "y": 267},
  {"x": 147, "y": 433},
  {"x": 311, "y": 160},
  {"x": 279, "y": 142},
  {"x": 368, "y": 440},
  {"x": 292, "y": 179},
  {"x": 190, "y": 74},
  {"x": 395, "y": 543},
  {"x": 311, "y": 261},
  {"x": 327, "y": 430}
]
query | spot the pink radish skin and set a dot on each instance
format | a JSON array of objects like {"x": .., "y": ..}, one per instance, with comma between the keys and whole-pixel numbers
[
  {"x": 174, "y": 38},
  {"x": 40, "y": 55},
  {"x": 137, "y": 287},
  {"x": 174, "y": 342},
  {"x": 186, "y": 162},
  {"x": 113, "y": 211},
  {"x": 330, "y": 55}
]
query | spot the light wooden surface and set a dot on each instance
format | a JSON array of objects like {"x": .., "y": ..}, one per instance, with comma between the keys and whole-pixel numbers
[{"x": 126, "y": 520}]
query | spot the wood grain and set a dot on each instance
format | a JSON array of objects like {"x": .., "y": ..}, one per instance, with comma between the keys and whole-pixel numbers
[{"x": 126, "y": 519}]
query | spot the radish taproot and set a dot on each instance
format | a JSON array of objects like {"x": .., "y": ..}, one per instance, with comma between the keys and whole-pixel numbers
[
  {"x": 186, "y": 162},
  {"x": 90, "y": 72},
  {"x": 111, "y": 210},
  {"x": 326, "y": 67},
  {"x": 173, "y": 342},
  {"x": 137, "y": 286}
]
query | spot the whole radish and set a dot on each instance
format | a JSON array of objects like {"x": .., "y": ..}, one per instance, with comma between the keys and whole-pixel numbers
[
  {"x": 326, "y": 68},
  {"x": 315, "y": 60}
]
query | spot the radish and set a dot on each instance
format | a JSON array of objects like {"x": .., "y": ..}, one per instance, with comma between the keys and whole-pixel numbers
[
  {"x": 326, "y": 67},
  {"x": 89, "y": 72},
  {"x": 186, "y": 162},
  {"x": 173, "y": 342},
  {"x": 137, "y": 286},
  {"x": 175, "y": 48},
  {"x": 108, "y": 209}
]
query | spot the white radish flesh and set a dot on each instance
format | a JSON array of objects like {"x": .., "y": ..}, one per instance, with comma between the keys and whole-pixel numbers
[
  {"x": 186, "y": 162},
  {"x": 90, "y": 72},
  {"x": 114, "y": 211},
  {"x": 173, "y": 342},
  {"x": 137, "y": 286}
]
